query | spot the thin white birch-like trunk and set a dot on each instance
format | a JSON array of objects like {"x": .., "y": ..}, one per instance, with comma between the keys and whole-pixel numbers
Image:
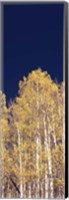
[
  {"x": 34, "y": 181},
  {"x": 3, "y": 190},
  {"x": 46, "y": 186},
  {"x": 24, "y": 190},
  {"x": 50, "y": 167},
  {"x": 54, "y": 138},
  {"x": 33, "y": 188},
  {"x": 42, "y": 191},
  {"x": 29, "y": 190},
  {"x": 63, "y": 136},
  {"x": 37, "y": 149},
  {"x": 24, "y": 184},
  {"x": 37, "y": 166},
  {"x": 8, "y": 191},
  {"x": 20, "y": 162},
  {"x": 29, "y": 184},
  {"x": 46, "y": 148}
]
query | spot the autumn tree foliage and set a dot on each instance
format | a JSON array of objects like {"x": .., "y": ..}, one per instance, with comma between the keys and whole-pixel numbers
[{"x": 33, "y": 139}]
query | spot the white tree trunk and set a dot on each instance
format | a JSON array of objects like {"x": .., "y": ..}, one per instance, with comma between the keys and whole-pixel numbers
[
  {"x": 37, "y": 167},
  {"x": 46, "y": 186},
  {"x": 54, "y": 138},
  {"x": 42, "y": 191},
  {"x": 50, "y": 167},
  {"x": 24, "y": 183},
  {"x": 37, "y": 149},
  {"x": 29, "y": 191},
  {"x": 2, "y": 191},
  {"x": 34, "y": 192},
  {"x": 20, "y": 161},
  {"x": 24, "y": 189},
  {"x": 29, "y": 184},
  {"x": 8, "y": 191},
  {"x": 46, "y": 148}
]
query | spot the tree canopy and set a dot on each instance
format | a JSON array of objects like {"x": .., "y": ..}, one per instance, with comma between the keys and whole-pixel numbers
[{"x": 32, "y": 139}]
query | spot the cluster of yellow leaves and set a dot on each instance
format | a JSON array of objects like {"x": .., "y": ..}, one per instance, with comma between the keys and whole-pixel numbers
[{"x": 20, "y": 124}]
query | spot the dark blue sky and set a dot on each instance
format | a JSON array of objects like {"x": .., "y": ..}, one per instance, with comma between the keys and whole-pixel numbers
[{"x": 33, "y": 37}]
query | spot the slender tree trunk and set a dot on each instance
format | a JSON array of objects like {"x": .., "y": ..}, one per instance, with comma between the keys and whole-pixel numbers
[
  {"x": 37, "y": 149},
  {"x": 62, "y": 118},
  {"x": 8, "y": 191},
  {"x": 50, "y": 167},
  {"x": 54, "y": 138},
  {"x": 34, "y": 192},
  {"x": 20, "y": 162},
  {"x": 29, "y": 191},
  {"x": 24, "y": 170},
  {"x": 46, "y": 148},
  {"x": 3, "y": 191},
  {"x": 24, "y": 190},
  {"x": 29, "y": 184},
  {"x": 42, "y": 192},
  {"x": 46, "y": 186},
  {"x": 37, "y": 166}
]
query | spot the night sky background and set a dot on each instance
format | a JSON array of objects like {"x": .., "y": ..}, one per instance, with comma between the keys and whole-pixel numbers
[{"x": 33, "y": 37}]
